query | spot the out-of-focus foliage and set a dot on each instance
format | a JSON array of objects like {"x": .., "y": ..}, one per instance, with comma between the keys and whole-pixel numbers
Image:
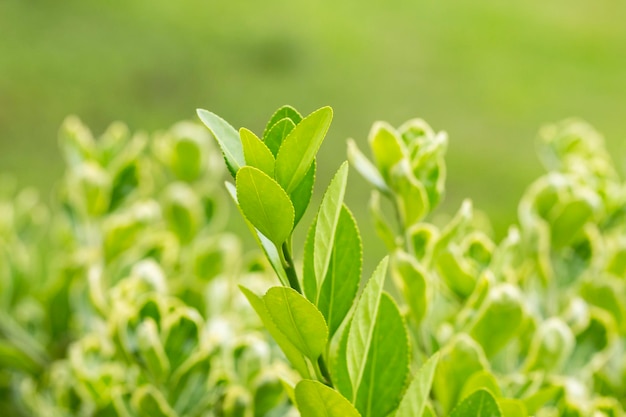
[
  {"x": 486, "y": 70},
  {"x": 536, "y": 319},
  {"x": 121, "y": 298}
]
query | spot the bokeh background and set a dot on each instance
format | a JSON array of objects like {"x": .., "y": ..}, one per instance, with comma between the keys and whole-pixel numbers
[{"x": 489, "y": 72}]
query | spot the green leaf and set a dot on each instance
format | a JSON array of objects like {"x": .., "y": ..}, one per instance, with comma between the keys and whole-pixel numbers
[
  {"x": 381, "y": 224},
  {"x": 365, "y": 167},
  {"x": 284, "y": 112},
  {"x": 298, "y": 320},
  {"x": 326, "y": 224},
  {"x": 277, "y": 134},
  {"x": 479, "y": 404},
  {"x": 147, "y": 400},
  {"x": 291, "y": 352},
  {"x": 256, "y": 153},
  {"x": 265, "y": 204},
  {"x": 301, "y": 196},
  {"x": 498, "y": 319},
  {"x": 344, "y": 272},
  {"x": 387, "y": 148},
  {"x": 270, "y": 250},
  {"x": 416, "y": 396},
  {"x": 228, "y": 139},
  {"x": 387, "y": 367},
  {"x": 410, "y": 278},
  {"x": 361, "y": 331},
  {"x": 459, "y": 360},
  {"x": 298, "y": 150},
  {"x": 315, "y": 399},
  {"x": 569, "y": 222},
  {"x": 338, "y": 363},
  {"x": 411, "y": 195}
]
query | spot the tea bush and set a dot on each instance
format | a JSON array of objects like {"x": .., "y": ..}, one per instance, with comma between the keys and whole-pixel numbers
[{"x": 125, "y": 296}]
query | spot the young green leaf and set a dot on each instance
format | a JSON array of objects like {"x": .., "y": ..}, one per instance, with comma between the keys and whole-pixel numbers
[
  {"x": 301, "y": 196},
  {"x": 284, "y": 112},
  {"x": 387, "y": 367},
  {"x": 298, "y": 320},
  {"x": 479, "y": 404},
  {"x": 326, "y": 226},
  {"x": 361, "y": 331},
  {"x": 265, "y": 204},
  {"x": 387, "y": 147},
  {"x": 416, "y": 396},
  {"x": 315, "y": 399},
  {"x": 344, "y": 271},
  {"x": 365, "y": 167},
  {"x": 299, "y": 148},
  {"x": 256, "y": 153},
  {"x": 459, "y": 360},
  {"x": 277, "y": 134},
  {"x": 228, "y": 139},
  {"x": 411, "y": 279},
  {"x": 270, "y": 250},
  {"x": 292, "y": 353}
]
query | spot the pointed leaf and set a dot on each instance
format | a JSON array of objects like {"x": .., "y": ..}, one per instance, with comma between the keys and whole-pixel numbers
[
  {"x": 227, "y": 137},
  {"x": 365, "y": 167},
  {"x": 271, "y": 253},
  {"x": 256, "y": 153},
  {"x": 284, "y": 112},
  {"x": 315, "y": 399},
  {"x": 298, "y": 320},
  {"x": 291, "y": 352},
  {"x": 327, "y": 219},
  {"x": 479, "y": 404},
  {"x": 416, "y": 396},
  {"x": 277, "y": 134},
  {"x": 387, "y": 366},
  {"x": 361, "y": 331},
  {"x": 265, "y": 204},
  {"x": 298, "y": 150},
  {"x": 344, "y": 272},
  {"x": 387, "y": 148},
  {"x": 301, "y": 196}
]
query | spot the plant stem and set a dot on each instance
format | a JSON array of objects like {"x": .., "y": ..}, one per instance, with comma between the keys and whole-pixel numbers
[
  {"x": 290, "y": 268},
  {"x": 324, "y": 371}
]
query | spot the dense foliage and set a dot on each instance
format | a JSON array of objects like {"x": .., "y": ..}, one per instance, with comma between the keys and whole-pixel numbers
[{"x": 125, "y": 297}]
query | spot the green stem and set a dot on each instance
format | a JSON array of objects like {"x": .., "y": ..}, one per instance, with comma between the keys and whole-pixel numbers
[
  {"x": 290, "y": 268},
  {"x": 324, "y": 371}
]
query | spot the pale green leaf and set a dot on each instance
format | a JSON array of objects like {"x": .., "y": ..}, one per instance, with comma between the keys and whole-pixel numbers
[
  {"x": 416, "y": 396},
  {"x": 411, "y": 196},
  {"x": 387, "y": 148},
  {"x": 277, "y": 134},
  {"x": 338, "y": 363},
  {"x": 381, "y": 224},
  {"x": 459, "y": 360},
  {"x": 256, "y": 153},
  {"x": 228, "y": 139},
  {"x": 265, "y": 204},
  {"x": 289, "y": 349},
  {"x": 410, "y": 278},
  {"x": 299, "y": 148},
  {"x": 298, "y": 320},
  {"x": 315, "y": 399},
  {"x": 479, "y": 404},
  {"x": 270, "y": 250},
  {"x": 498, "y": 319},
  {"x": 361, "y": 331},
  {"x": 326, "y": 225},
  {"x": 284, "y": 112},
  {"x": 365, "y": 167},
  {"x": 387, "y": 367}
]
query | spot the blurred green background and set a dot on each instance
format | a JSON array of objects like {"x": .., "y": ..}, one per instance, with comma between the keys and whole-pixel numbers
[{"x": 489, "y": 72}]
